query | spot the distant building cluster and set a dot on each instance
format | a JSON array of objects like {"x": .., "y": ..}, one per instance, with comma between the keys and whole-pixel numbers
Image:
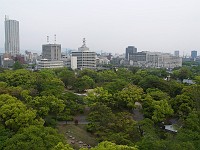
[
  {"x": 53, "y": 57},
  {"x": 147, "y": 59},
  {"x": 154, "y": 60}
]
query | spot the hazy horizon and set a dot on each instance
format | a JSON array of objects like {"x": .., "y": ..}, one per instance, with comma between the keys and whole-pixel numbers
[{"x": 107, "y": 25}]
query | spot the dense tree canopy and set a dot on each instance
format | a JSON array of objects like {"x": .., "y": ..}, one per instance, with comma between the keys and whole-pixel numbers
[
  {"x": 128, "y": 96},
  {"x": 17, "y": 65},
  {"x": 111, "y": 146},
  {"x": 32, "y": 102},
  {"x": 34, "y": 137},
  {"x": 15, "y": 115}
]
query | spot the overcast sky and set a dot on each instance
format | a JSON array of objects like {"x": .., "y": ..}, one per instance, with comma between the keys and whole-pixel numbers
[{"x": 107, "y": 25}]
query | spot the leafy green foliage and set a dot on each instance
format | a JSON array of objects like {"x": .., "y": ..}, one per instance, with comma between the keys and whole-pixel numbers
[
  {"x": 162, "y": 73},
  {"x": 157, "y": 94},
  {"x": 128, "y": 96},
  {"x": 4, "y": 135},
  {"x": 161, "y": 110},
  {"x": 115, "y": 86},
  {"x": 99, "y": 95},
  {"x": 73, "y": 102},
  {"x": 17, "y": 65},
  {"x": 27, "y": 96},
  {"x": 157, "y": 109},
  {"x": 67, "y": 76},
  {"x": 193, "y": 91},
  {"x": 188, "y": 136},
  {"x": 182, "y": 105},
  {"x": 83, "y": 83},
  {"x": 48, "y": 84},
  {"x": 107, "y": 76},
  {"x": 99, "y": 117},
  {"x": 47, "y": 104},
  {"x": 182, "y": 73},
  {"x": 111, "y": 146},
  {"x": 34, "y": 137},
  {"x": 15, "y": 115},
  {"x": 151, "y": 81},
  {"x": 90, "y": 73},
  {"x": 124, "y": 74},
  {"x": 19, "y": 77},
  {"x": 61, "y": 146},
  {"x": 118, "y": 128}
]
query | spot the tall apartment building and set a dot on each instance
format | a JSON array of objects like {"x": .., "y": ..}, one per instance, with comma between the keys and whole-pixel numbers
[
  {"x": 12, "y": 37},
  {"x": 129, "y": 51},
  {"x": 85, "y": 58},
  {"x": 51, "y": 51}
]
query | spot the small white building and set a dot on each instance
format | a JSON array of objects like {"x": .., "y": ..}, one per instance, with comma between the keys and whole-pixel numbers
[
  {"x": 70, "y": 61},
  {"x": 45, "y": 63},
  {"x": 73, "y": 62},
  {"x": 102, "y": 60}
]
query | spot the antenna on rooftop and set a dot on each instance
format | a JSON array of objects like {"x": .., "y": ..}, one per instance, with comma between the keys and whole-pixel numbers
[
  {"x": 84, "y": 42},
  {"x": 54, "y": 38},
  {"x": 48, "y": 39},
  {"x": 6, "y": 17}
]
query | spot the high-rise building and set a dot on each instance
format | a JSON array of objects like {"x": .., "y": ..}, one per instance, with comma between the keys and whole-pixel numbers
[
  {"x": 85, "y": 58},
  {"x": 176, "y": 53},
  {"x": 194, "y": 54},
  {"x": 130, "y": 50},
  {"x": 51, "y": 51},
  {"x": 12, "y": 37}
]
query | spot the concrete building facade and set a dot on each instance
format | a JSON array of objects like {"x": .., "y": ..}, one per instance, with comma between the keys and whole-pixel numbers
[
  {"x": 51, "y": 51},
  {"x": 85, "y": 58},
  {"x": 70, "y": 62},
  {"x": 101, "y": 60},
  {"x": 45, "y": 63},
  {"x": 129, "y": 51},
  {"x": 12, "y": 45}
]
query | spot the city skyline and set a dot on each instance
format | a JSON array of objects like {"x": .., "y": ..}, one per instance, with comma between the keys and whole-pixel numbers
[{"x": 111, "y": 26}]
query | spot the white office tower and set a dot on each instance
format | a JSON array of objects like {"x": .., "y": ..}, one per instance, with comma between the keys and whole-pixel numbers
[
  {"x": 85, "y": 58},
  {"x": 12, "y": 37}
]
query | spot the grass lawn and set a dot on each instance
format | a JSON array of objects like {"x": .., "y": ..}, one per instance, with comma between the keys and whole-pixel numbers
[{"x": 76, "y": 133}]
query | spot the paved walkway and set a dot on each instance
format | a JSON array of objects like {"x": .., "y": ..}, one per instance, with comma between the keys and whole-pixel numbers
[
  {"x": 72, "y": 122},
  {"x": 137, "y": 115}
]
